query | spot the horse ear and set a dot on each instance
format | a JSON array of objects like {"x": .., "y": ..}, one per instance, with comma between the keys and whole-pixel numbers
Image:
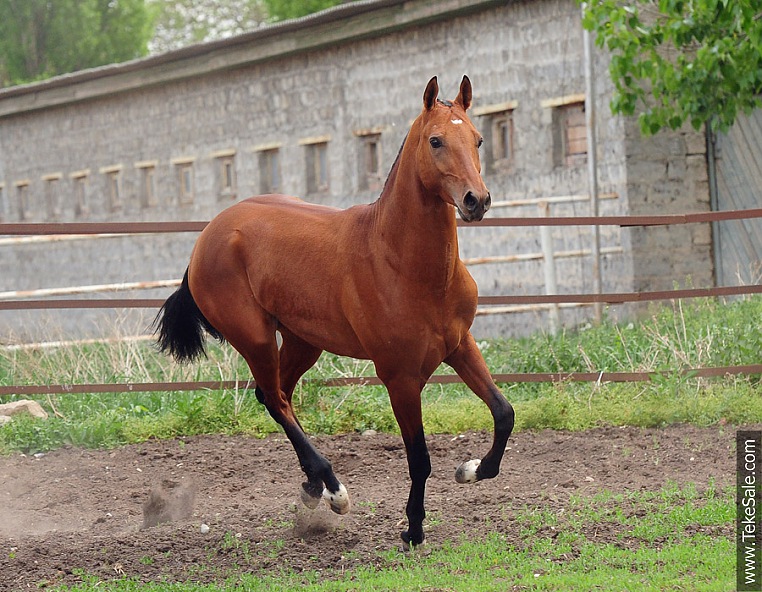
[
  {"x": 430, "y": 94},
  {"x": 465, "y": 95}
]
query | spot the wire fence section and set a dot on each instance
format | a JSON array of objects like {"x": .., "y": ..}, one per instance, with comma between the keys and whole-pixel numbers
[{"x": 126, "y": 228}]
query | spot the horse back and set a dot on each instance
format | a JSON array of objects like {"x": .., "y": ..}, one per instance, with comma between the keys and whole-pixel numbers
[{"x": 290, "y": 259}]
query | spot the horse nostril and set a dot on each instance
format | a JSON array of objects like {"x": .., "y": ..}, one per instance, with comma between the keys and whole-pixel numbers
[
  {"x": 470, "y": 201},
  {"x": 487, "y": 202}
]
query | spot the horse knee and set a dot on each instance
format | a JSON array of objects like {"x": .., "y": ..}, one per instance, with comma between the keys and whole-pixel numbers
[
  {"x": 419, "y": 461},
  {"x": 422, "y": 468}
]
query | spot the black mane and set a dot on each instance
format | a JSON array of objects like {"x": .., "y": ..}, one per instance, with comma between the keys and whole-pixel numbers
[{"x": 394, "y": 165}]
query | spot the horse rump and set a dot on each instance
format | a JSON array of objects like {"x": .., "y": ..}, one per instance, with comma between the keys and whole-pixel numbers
[{"x": 180, "y": 325}]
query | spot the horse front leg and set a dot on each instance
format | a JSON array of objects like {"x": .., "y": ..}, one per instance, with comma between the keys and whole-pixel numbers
[
  {"x": 405, "y": 396},
  {"x": 468, "y": 362}
]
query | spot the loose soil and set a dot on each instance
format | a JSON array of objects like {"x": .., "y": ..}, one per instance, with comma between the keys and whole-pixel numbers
[{"x": 139, "y": 511}]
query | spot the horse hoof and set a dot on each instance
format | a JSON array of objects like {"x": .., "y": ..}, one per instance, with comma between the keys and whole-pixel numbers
[
  {"x": 338, "y": 500},
  {"x": 408, "y": 544},
  {"x": 466, "y": 473},
  {"x": 308, "y": 500}
]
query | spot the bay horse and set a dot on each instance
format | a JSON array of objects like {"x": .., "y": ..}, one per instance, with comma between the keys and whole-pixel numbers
[{"x": 380, "y": 281}]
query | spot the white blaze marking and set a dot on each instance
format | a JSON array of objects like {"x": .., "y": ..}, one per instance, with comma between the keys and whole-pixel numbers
[{"x": 456, "y": 121}]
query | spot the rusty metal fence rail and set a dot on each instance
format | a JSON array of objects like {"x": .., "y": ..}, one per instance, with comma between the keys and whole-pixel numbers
[
  {"x": 124, "y": 228},
  {"x": 507, "y": 378},
  {"x": 17, "y": 229}
]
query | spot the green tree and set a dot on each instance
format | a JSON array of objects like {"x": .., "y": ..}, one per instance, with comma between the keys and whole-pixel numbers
[
  {"x": 184, "y": 22},
  {"x": 279, "y": 10},
  {"x": 43, "y": 38},
  {"x": 677, "y": 61}
]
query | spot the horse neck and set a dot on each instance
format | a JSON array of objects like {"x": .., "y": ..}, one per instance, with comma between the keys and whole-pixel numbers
[{"x": 417, "y": 227}]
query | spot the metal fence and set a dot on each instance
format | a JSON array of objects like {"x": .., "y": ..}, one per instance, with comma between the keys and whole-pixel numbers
[{"x": 121, "y": 228}]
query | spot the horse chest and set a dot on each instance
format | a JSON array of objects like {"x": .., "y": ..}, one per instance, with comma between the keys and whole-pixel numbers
[{"x": 441, "y": 313}]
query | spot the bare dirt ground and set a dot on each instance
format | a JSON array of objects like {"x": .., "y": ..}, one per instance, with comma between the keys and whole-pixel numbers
[{"x": 97, "y": 511}]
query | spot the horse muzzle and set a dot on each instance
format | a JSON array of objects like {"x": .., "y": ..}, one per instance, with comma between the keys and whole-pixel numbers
[{"x": 473, "y": 207}]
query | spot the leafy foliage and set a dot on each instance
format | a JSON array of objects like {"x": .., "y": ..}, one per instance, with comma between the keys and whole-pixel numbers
[
  {"x": 40, "y": 38},
  {"x": 681, "y": 61},
  {"x": 184, "y": 22}
]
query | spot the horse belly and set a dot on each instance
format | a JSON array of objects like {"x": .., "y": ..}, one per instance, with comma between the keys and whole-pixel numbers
[{"x": 334, "y": 337}]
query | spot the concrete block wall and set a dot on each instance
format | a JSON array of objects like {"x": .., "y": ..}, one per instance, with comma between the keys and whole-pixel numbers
[
  {"x": 525, "y": 52},
  {"x": 667, "y": 174}
]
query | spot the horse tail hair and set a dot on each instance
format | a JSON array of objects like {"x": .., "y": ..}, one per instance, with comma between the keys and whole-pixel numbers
[{"x": 180, "y": 326}]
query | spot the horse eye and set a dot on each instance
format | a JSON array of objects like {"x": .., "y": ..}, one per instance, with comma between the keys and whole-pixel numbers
[
  {"x": 435, "y": 142},
  {"x": 480, "y": 142}
]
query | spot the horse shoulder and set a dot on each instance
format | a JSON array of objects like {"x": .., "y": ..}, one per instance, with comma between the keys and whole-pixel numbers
[
  {"x": 461, "y": 297},
  {"x": 464, "y": 284}
]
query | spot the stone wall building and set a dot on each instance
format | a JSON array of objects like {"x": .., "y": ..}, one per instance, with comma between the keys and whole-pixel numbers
[{"x": 318, "y": 108}]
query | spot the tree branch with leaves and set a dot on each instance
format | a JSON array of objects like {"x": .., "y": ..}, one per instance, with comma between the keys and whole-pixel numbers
[
  {"x": 43, "y": 38},
  {"x": 678, "y": 61}
]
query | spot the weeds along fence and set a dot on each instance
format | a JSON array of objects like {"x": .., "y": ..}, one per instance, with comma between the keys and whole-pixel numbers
[{"x": 35, "y": 299}]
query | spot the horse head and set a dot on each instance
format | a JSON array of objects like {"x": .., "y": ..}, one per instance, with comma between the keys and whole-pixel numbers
[{"x": 448, "y": 152}]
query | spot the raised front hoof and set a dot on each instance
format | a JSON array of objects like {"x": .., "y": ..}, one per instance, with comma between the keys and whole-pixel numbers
[
  {"x": 466, "y": 473},
  {"x": 410, "y": 542},
  {"x": 337, "y": 501}
]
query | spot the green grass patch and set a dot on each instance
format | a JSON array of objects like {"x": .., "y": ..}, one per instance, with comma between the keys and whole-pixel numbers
[{"x": 671, "y": 339}]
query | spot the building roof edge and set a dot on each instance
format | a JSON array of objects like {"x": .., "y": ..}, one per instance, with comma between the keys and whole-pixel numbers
[{"x": 339, "y": 24}]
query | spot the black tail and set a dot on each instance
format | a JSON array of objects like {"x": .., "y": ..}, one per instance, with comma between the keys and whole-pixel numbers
[{"x": 180, "y": 325}]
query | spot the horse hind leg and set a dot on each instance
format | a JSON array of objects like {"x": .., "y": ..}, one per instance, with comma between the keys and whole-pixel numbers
[
  {"x": 224, "y": 296},
  {"x": 321, "y": 482},
  {"x": 257, "y": 344},
  {"x": 296, "y": 357}
]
